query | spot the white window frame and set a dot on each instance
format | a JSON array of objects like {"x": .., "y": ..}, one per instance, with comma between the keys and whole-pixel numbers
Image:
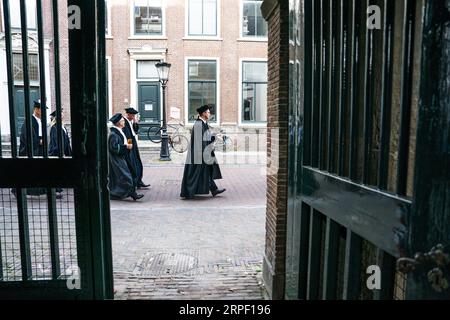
[
  {"x": 241, "y": 74},
  {"x": 186, "y": 89},
  {"x": 217, "y": 37},
  {"x": 108, "y": 8},
  {"x": 241, "y": 18},
  {"x": 133, "y": 36},
  {"x": 110, "y": 97},
  {"x": 4, "y": 96},
  {"x": 139, "y": 54}
]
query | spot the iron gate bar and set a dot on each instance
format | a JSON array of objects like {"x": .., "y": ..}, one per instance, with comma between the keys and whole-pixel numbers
[
  {"x": 354, "y": 67},
  {"x": 322, "y": 86},
  {"x": 386, "y": 92},
  {"x": 53, "y": 234},
  {"x": 373, "y": 214},
  {"x": 308, "y": 87},
  {"x": 104, "y": 199},
  {"x": 317, "y": 47},
  {"x": 64, "y": 172},
  {"x": 387, "y": 264},
  {"x": 330, "y": 165},
  {"x": 315, "y": 237},
  {"x": 352, "y": 266},
  {"x": 304, "y": 251},
  {"x": 342, "y": 84},
  {"x": 24, "y": 234},
  {"x": 26, "y": 78},
  {"x": 9, "y": 71},
  {"x": 331, "y": 260},
  {"x": 55, "y": 15},
  {"x": 406, "y": 91},
  {"x": 368, "y": 108},
  {"x": 42, "y": 83},
  {"x": 428, "y": 221}
]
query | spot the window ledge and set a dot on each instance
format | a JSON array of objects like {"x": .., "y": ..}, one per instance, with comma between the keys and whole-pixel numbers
[
  {"x": 147, "y": 38},
  {"x": 252, "y": 39},
  {"x": 107, "y": 37},
  {"x": 202, "y": 38},
  {"x": 258, "y": 125}
]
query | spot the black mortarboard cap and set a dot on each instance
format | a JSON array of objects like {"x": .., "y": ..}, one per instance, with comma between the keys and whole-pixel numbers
[
  {"x": 37, "y": 104},
  {"x": 116, "y": 118},
  {"x": 131, "y": 110}
]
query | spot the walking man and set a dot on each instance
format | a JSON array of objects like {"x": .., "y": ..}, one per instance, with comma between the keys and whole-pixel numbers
[
  {"x": 201, "y": 168},
  {"x": 135, "y": 157},
  {"x": 121, "y": 179},
  {"x": 36, "y": 141},
  {"x": 53, "y": 149}
]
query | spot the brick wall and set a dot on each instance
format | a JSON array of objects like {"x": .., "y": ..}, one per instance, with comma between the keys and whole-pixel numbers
[{"x": 278, "y": 99}]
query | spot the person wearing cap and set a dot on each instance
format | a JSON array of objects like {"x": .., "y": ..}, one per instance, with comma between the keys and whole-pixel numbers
[
  {"x": 121, "y": 180},
  {"x": 201, "y": 168},
  {"x": 53, "y": 149},
  {"x": 37, "y": 144},
  {"x": 36, "y": 133},
  {"x": 135, "y": 157}
]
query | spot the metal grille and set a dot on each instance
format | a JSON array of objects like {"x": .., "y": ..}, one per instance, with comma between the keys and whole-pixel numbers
[
  {"x": 10, "y": 263},
  {"x": 44, "y": 259},
  {"x": 67, "y": 234}
]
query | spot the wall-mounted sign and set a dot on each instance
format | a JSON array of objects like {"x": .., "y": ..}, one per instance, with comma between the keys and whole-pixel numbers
[{"x": 148, "y": 107}]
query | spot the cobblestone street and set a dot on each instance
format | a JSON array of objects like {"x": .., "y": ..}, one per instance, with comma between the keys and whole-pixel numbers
[{"x": 165, "y": 247}]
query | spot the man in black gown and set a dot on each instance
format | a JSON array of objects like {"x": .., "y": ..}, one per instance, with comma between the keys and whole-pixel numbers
[
  {"x": 135, "y": 157},
  {"x": 121, "y": 178},
  {"x": 37, "y": 143},
  {"x": 53, "y": 149},
  {"x": 201, "y": 168}
]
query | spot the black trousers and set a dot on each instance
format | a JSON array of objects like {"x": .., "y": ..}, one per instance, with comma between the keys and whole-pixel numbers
[{"x": 212, "y": 184}]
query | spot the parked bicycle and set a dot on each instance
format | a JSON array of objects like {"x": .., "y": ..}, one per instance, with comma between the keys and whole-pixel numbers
[
  {"x": 223, "y": 141},
  {"x": 177, "y": 140}
]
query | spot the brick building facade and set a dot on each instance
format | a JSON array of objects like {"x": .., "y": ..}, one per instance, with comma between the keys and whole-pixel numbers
[{"x": 218, "y": 53}]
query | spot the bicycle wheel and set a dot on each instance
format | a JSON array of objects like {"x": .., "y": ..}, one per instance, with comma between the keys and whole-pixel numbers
[
  {"x": 154, "y": 134},
  {"x": 180, "y": 143}
]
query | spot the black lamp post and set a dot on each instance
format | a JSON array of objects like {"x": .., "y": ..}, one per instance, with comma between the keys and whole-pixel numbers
[{"x": 163, "y": 73}]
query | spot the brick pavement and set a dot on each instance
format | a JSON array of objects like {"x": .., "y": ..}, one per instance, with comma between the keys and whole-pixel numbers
[{"x": 209, "y": 248}]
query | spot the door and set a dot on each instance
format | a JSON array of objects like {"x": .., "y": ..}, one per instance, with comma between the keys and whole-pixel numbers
[
  {"x": 368, "y": 151},
  {"x": 55, "y": 240},
  {"x": 20, "y": 103},
  {"x": 149, "y": 106}
]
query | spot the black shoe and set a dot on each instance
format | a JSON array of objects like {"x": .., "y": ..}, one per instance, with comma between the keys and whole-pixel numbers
[
  {"x": 136, "y": 196},
  {"x": 143, "y": 185},
  {"x": 218, "y": 191}
]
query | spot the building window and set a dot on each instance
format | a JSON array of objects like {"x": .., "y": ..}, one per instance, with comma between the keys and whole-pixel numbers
[
  {"x": 254, "y": 91},
  {"x": 33, "y": 67},
  {"x": 253, "y": 23},
  {"x": 202, "y": 87},
  {"x": 146, "y": 69},
  {"x": 203, "y": 17},
  {"x": 14, "y": 10},
  {"x": 148, "y": 17}
]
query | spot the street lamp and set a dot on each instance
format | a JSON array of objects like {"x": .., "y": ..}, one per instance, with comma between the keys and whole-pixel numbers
[{"x": 163, "y": 73}]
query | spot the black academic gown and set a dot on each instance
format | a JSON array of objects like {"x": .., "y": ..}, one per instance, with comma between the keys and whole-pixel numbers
[
  {"x": 121, "y": 183},
  {"x": 135, "y": 157},
  {"x": 53, "y": 149},
  {"x": 38, "y": 150},
  {"x": 198, "y": 170}
]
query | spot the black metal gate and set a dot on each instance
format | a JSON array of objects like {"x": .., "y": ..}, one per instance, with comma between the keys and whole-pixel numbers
[
  {"x": 54, "y": 208},
  {"x": 369, "y": 179}
]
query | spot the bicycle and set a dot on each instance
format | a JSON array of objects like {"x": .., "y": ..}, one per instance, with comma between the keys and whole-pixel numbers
[
  {"x": 223, "y": 141},
  {"x": 177, "y": 141}
]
